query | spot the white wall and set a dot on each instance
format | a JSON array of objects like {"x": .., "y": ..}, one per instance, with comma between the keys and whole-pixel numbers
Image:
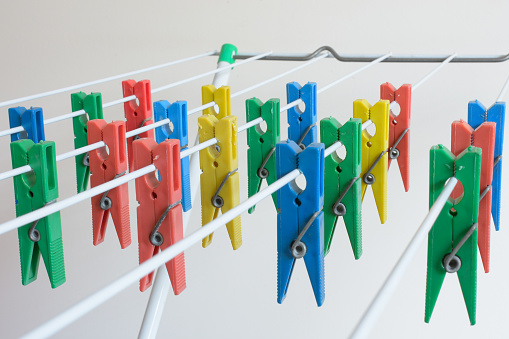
[{"x": 50, "y": 44}]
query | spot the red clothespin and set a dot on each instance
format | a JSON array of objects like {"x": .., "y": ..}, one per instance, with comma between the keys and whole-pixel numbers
[
  {"x": 399, "y": 128},
  {"x": 137, "y": 115},
  {"x": 160, "y": 210},
  {"x": 463, "y": 136},
  {"x": 105, "y": 167}
]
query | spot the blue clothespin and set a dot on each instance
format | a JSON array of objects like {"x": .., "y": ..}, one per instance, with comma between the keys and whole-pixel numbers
[
  {"x": 302, "y": 128},
  {"x": 300, "y": 230},
  {"x": 477, "y": 114},
  {"x": 31, "y": 120},
  {"x": 177, "y": 113}
]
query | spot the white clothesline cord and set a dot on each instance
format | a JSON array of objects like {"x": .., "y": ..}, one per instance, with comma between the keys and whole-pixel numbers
[
  {"x": 502, "y": 92},
  {"x": 196, "y": 148},
  {"x": 88, "y": 304},
  {"x": 132, "y": 97},
  {"x": 103, "y": 80},
  {"x": 393, "y": 104},
  {"x": 377, "y": 305}
]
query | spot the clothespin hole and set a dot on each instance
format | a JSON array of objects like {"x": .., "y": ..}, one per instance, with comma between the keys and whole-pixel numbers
[
  {"x": 339, "y": 169},
  {"x": 369, "y": 144},
  {"x": 453, "y": 212},
  {"x": 31, "y": 194},
  {"x": 261, "y": 140},
  {"x": 103, "y": 165},
  {"x": 395, "y": 108},
  {"x": 261, "y": 127},
  {"x": 168, "y": 129},
  {"x": 297, "y": 201},
  {"x": 371, "y": 131},
  {"x": 216, "y": 164},
  {"x": 301, "y": 182},
  {"x": 341, "y": 153},
  {"x": 154, "y": 195},
  {"x": 394, "y": 122},
  {"x": 301, "y": 108}
]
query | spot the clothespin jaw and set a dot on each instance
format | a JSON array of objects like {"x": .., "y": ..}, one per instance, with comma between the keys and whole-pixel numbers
[
  {"x": 92, "y": 105},
  {"x": 221, "y": 96},
  {"x": 457, "y": 221},
  {"x": 34, "y": 190},
  {"x": 106, "y": 166},
  {"x": 342, "y": 195},
  {"x": 477, "y": 114},
  {"x": 137, "y": 115},
  {"x": 302, "y": 129},
  {"x": 219, "y": 181},
  {"x": 399, "y": 127},
  {"x": 159, "y": 212},
  {"x": 300, "y": 229},
  {"x": 261, "y": 157},
  {"x": 177, "y": 114},
  {"x": 374, "y": 151},
  {"x": 31, "y": 120},
  {"x": 462, "y": 136}
]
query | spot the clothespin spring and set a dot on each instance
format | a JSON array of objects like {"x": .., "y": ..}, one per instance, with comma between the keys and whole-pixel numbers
[
  {"x": 156, "y": 238},
  {"x": 33, "y": 233},
  {"x": 394, "y": 152},
  {"x": 105, "y": 202},
  {"x": 304, "y": 135},
  {"x": 298, "y": 248},
  {"x": 262, "y": 172},
  {"x": 497, "y": 160},
  {"x": 136, "y": 137},
  {"x": 486, "y": 190},
  {"x": 451, "y": 262},
  {"x": 217, "y": 201},
  {"x": 339, "y": 208}
]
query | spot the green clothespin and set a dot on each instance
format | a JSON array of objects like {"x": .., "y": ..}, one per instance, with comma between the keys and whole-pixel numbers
[
  {"x": 34, "y": 190},
  {"x": 261, "y": 155},
  {"x": 452, "y": 241},
  {"x": 92, "y": 105},
  {"x": 342, "y": 195}
]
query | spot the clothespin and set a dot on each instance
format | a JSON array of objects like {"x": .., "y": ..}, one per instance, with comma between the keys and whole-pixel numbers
[
  {"x": 221, "y": 96},
  {"x": 453, "y": 237},
  {"x": 399, "y": 128},
  {"x": 302, "y": 129},
  {"x": 137, "y": 115},
  {"x": 106, "y": 166},
  {"x": 300, "y": 231},
  {"x": 160, "y": 211},
  {"x": 31, "y": 120},
  {"x": 92, "y": 105},
  {"x": 34, "y": 190},
  {"x": 219, "y": 181},
  {"x": 261, "y": 158},
  {"x": 462, "y": 136},
  {"x": 374, "y": 151},
  {"x": 477, "y": 114},
  {"x": 177, "y": 113},
  {"x": 342, "y": 195}
]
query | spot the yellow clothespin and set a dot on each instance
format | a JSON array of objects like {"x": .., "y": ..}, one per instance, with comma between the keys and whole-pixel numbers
[
  {"x": 374, "y": 151},
  {"x": 221, "y": 96}
]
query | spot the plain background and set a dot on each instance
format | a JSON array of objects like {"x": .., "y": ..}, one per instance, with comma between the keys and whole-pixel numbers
[{"x": 51, "y": 44}]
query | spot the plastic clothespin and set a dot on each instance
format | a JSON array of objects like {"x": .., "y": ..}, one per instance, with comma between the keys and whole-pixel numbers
[
  {"x": 477, "y": 114},
  {"x": 160, "y": 211},
  {"x": 399, "y": 128},
  {"x": 463, "y": 136},
  {"x": 261, "y": 158},
  {"x": 374, "y": 151},
  {"x": 452, "y": 241},
  {"x": 106, "y": 166},
  {"x": 302, "y": 129},
  {"x": 177, "y": 114},
  {"x": 221, "y": 96},
  {"x": 31, "y": 120},
  {"x": 300, "y": 231},
  {"x": 34, "y": 190},
  {"x": 137, "y": 115},
  {"x": 92, "y": 105},
  {"x": 342, "y": 196},
  {"x": 219, "y": 181}
]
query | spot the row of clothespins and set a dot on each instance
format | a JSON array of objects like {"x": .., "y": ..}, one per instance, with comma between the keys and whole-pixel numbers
[{"x": 306, "y": 219}]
